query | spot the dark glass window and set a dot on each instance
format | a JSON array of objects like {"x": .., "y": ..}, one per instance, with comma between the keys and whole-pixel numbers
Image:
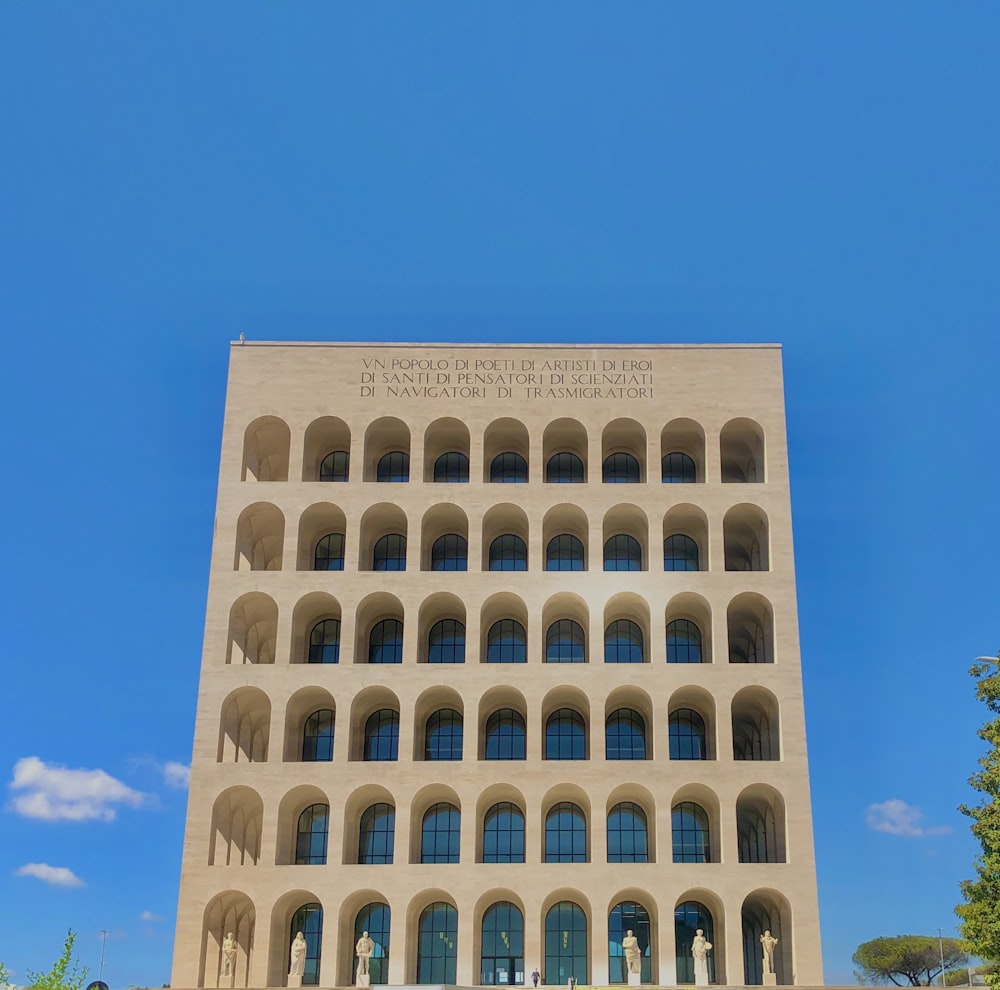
[
  {"x": 311, "y": 834},
  {"x": 508, "y": 553},
  {"x": 688, "y": 918},
  {"x": 502, "y": 952},
  {"x": 680, "y": 553},
  {"x": 625, "y": 735},
  {"x": 628, "y": 916},
  {"x": 324, "y": 642},
  {"x": 621, "y": 469},
  {"x": 317, "y": 737},
  {"x": 689, "y": 825},
  {"x": 565, "y": 643},
  {"x": 440, "y": 833},
  {"x": 376, "y": 919},
  {"x": 385, "y": 642},
  {"x": 509, "y": 469},
  {"x": 565, "y": 836},
  {"x": 565, "y": 735},
  {"x": 437, "y": 936},
  {"x": 308, "y": 920},
  {"x": 622, "y": 553},
  {"x": 564, "y": 553},
  {"x": 446, "y": 642},
  {"x": 382, "y": 735},
  {"x": 505, "y": 735},
  {"x": 687, "y": 735},
  {"x": 627, "y": 840},
  {"x": 503, "y": 834},
  {"x": 377, "y": 835},
  {"x": 623, "y": 642},
  {"x": 678, "y": 469},
  {"x": 393, "y": 467},
  {"x": 566, "y": 952},
  {"x": 450, "y": 553},
  {"x": 683, "y": 642},
  {"x": 506, "y": 642},
  {"x": 452, "y": 467},
  {"x": 565, "y": 469},
  {"x": 389, "y": 553},
  {"x": 443, "y": 736},
  {"x": 329, "y": 555},
  {"x": 335, "y": 466}
]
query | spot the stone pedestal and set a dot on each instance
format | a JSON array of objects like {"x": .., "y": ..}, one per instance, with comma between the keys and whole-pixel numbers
[
  {"x": 363, "y": 980},
  {"x": 294, "y": 981},
  {"x": 635, "y": 979},
  {"x": 770, "y": 979}
]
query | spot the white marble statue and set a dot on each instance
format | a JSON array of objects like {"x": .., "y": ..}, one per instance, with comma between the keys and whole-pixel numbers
[
  {"x": 700, "y": 948},
  {"x": 363, "y": 949},
  {"x": 298, "y": 966},
  {"x": 767, "y": 943},
  {"x": 633, "y": 954},
  {"x": 229, "y": 955}
]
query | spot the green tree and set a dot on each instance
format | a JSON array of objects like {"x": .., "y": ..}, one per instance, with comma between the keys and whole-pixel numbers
[
  {"x": 906, "y": 960},
  {"x": 66, "y": 972},
  {"x": 980, "y": 914},
  {"x": 4, "y": 979}
]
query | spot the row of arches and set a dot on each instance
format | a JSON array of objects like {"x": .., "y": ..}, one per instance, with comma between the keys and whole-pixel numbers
[
  {"x": 506, "y": 633},
  {"x": 429, "y": 940},
  {"x": 501, "y": 728},
  {"x": 502, "y": 829},
  {"x": 382, "y": 541},
  {"x": 506, "y": 451}
]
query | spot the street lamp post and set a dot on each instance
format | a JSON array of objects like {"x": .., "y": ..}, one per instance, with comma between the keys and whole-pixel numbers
[
  {"x": 104, "y": 942},
  {"x": 941, "y": 950}
]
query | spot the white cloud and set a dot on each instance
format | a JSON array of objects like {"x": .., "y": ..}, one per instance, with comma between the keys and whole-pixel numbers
[
  {"x": 54, "y": 793},
  {"x": 899, "y": 818},
  {"x": 58, "y": 876},
  {"x": 149, "y": 916},
  {"x": 176, "y": 775}
]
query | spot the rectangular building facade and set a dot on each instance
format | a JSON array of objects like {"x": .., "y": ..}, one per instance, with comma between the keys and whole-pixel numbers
[{"x": 501, "y": 661}]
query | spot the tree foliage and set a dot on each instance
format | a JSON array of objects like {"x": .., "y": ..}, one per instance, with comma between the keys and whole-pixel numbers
[
  {"x": 905, "y": 960},
  {"x": 66, "y": 972},
  {"x": 980, "y": 914}
]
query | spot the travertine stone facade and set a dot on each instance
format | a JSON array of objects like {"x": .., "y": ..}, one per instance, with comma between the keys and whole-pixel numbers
[{"x": 646, "y": 760}]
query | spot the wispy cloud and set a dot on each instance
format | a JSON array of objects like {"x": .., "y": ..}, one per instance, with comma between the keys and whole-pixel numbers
[
  {"x": 176, "y": 775},
  {"x": 899, "y": 818},
  {"x": 55, "y": 793},
  {"x": 149, "y": 916},
  {"x": 58, "y": 876}
]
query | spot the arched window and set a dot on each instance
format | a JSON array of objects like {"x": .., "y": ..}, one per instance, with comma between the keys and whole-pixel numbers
[
  {"x": 377, "y": 835},
  {"x": 394, "y": 466},
  {"x": 446, "y": 642},
  {"x": 565, "y": 735},
  {"x": 382, "y": 735},
  {"x": 324, "y": 642},
  {"x": 376, "y": 919},
  {"x": 311, "y": 834},
  {"x": 565, "y": 836},
  {"x": 505, "y": 735},
  {"x": 628, "y": 916},
  {"x": 440, "y": 834},
  {"x": 565, "y": 469},
  {"x": 452, "y": 467},
  {"x": 508, "y": 553},
  {"x": 621, "y": 469},
  {"x": 335, "y": 466},
  {"x": 680, "y": 553},
  {"x": 389, "y": 553},
  {"x": 757, "y": 832},
  {"x": 329, "y": 554},
  {"x": 317, "y": 737},
  {"x": 566, "y": 951},
  {"x": 683, "y": 642},
  {"x": 689, "y": 825},
  {"x": 502, "y": 952},
  {"x": 437, "y": 936},
  {"x": 679, "y": 469},
  {"x": 687, "y": 735},
  {"x": 622, "y": 553},
  {"x": 503, "y": 834},
  {"x": 627, "y": 837},
  {"x": 565, "y": 642},
  {"x": 308, "y": 920},
  {"x": 509, "y": 469},
  {"x": 506, "y": 642},
  {"x": 443, "y": 735},
  {"x": 564, "y": 553},
  {"x": 450, "y": 553},
  {"x": 385, "y": 642},
  {"x": 623, "y": 642},
  {"x": 688, "y": 918},
  {"x": 625, "y": 736}
]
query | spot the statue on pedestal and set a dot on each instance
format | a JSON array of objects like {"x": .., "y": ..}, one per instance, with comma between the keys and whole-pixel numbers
[
  {"x": 633, "y": 958},
  {"x": 298, "y": 967},
  {"x": 700, "y": 948},
  {"x": 767, "y": 943},
  {"x": 363, "y": 949},
  {"x": 229, "y": 957}
]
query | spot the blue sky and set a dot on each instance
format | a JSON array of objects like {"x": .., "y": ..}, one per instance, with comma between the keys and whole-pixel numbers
[{"x": 819, "y": 174}]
